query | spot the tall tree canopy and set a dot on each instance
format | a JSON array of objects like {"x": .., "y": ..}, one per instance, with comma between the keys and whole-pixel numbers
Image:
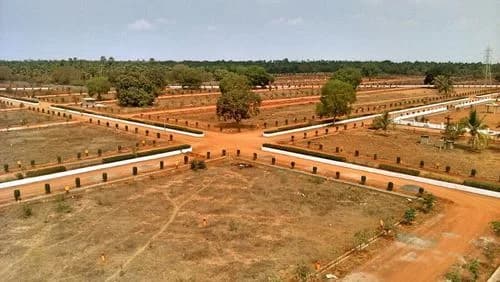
[
  {"x": 98, "y": 86},
  {"x": 187, "y": 76},
  {"x": 5, "y": 73},
  {"x": 237, "y": 101},
  {"x": 135, "y": 89},
  {"x": 349, "y": 75},
  {"x": 336, "y": 99},
  {"x": 256, "y": 75}
]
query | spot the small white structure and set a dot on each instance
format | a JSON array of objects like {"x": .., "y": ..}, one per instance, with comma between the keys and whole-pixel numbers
[{"x": 89, "y": 102}]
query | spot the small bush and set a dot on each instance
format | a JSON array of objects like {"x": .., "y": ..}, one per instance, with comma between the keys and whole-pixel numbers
[
  {"x": 44, "y": 171},
  {"x": 302, "y": 272},
  {"x": 6, "y": 167},
  {"x": 27, "y": 211},
  {"x": 305, "y": 152},
  {"x": 399, "y": 169},
  {"x": 473, "y": 268},
  {"x": 495, "y": 226},
  {"x": 409, "y": 216},
  {"x": 63, "y": 207},
  {"x": 483, "y": 185},
  {"x": 19, "y": 175},
  {"x": 198, "y": 164},
  {"x": 17, "y": 195},
  {"x": 428, "y": 201}
]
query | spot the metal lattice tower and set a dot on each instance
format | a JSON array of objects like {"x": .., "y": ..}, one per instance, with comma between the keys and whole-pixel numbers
[{"x": 487, "y": 65}]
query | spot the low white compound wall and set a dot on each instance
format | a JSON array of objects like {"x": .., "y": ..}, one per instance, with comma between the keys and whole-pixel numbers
[
  {"x": 30, "y": 180},
  {"x": 443, "y": 184},
  {"x": 129, "y": 122}
]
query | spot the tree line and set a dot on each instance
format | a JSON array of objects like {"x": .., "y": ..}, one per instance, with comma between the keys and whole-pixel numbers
[{"x": 77, "y": 71}]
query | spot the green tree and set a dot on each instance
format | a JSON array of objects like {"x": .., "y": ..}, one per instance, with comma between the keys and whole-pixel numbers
[
  {"x": 257, "y": 76},
  {"x": 67, "y": 75},
  {"x": 231, "y": 81},
  {"x": 135, "y": 89},
  {"x": 136, "y": 97},
  {"x": 370, "y": 70},
  {"x": 98, "y": 85},
  {"x": 5, "y": 73},
  {"x": 187, "y": 76},
  {"x": 409, "y": 216},
  {"x": 336, "y": 99},
  {"x": 443, "y": 84},
  {"x": 475, "y": 125},
  {"x": 349, "y": 75},
  {"x": 237, "y": 101},
  {"x": 383, "y": 121}
]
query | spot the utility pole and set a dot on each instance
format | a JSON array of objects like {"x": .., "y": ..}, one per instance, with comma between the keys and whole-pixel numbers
[{"x": 487, "y": 65}]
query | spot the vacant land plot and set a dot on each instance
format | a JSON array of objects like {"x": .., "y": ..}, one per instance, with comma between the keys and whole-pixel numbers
[
  {"x": 24, "y": 117},
  {"x": 45, "y": 144},
  {"x": 406, "y": 145},
  {"x": 222, "y": 224},
  {"x": 491, "y": 119}
]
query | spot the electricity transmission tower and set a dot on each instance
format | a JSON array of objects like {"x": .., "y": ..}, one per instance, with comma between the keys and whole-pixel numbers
[{"x": 487, "y": 65}]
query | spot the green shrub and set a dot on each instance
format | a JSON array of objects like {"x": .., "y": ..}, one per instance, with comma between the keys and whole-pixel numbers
[
  {"x": 44, "y": 171},
  {"x": 19, "y": 175},
  {"x": 495, "y": 225},
  {"x": 198, "y": 164},
  {"x": 483, "y": 185},
  {"x": 305, "y": 152},
  {"x": 27, "y": 211},
  {"x": 428, "y": 201},
  {"x": 158, "y": 124},
  {"x": 409, "y": 216},
  {"x": 144, "y": 153}
]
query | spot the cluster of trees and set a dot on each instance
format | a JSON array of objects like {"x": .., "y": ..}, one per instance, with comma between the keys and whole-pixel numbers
[
  {"x": 472, "y": 124},
  {"x": 339, "y": 93}
]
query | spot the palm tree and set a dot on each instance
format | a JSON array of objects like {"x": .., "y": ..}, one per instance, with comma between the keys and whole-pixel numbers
[
  {"x": 443, "y": 84},
  {"x": 474, "y": 124},
  {"x": 383, "y": 121}
]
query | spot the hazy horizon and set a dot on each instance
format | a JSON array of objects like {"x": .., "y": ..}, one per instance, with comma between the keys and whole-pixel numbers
[{"x": 363, "y": 30}]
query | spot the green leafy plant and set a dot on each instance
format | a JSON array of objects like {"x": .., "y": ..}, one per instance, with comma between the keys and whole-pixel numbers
[{"x": 409, "y": 216}]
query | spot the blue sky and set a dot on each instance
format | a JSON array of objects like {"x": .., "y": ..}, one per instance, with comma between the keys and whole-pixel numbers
[{"x": 437, "y": 30}]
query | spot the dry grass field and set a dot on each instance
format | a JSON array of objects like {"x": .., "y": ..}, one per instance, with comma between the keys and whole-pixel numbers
[
  {"x": 45, "y": 144},
  {"x": 406, "y": 144},
  {"x": 25, "y": 117},
  {"x": 222, "y": 224}
]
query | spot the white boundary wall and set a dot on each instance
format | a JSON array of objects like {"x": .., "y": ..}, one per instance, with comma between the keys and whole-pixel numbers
[
  {"x": 30, "y": 180},
  {"x": 128, "y": 122},
  {"x": 388, "y": 173},
  {"x": 19, "y": 101},
  {"x": 434, "y": 109}
]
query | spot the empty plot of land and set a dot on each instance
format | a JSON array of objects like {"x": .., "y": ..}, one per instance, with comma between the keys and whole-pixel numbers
[
  {"x": 44, "y": 144},
  {"x": 490, "y": 118},
  {"x": 222, "y": 224},
  {"x": 406, "y": 144},
  {"x": 24, "y": 118}
]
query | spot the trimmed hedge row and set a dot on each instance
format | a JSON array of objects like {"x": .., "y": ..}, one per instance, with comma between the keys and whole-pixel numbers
[
  {"x": 399, "y": 169},
  {"x": 483, "y": 185},
  {"x": 21, "y": 99},
  {"x": 311, "y": 123},
  {"x": 144, "y": 153},
  {"x": 158, "y": 124},
  {"x": 44, "y": 171},
  {"x": 305, "y": 152}
]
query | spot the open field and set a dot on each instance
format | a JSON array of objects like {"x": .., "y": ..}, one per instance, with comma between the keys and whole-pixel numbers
[
  {"x": 261, "y": 223},
  {"x": 490, "y": 118},
  {"x": 406, "y": 144},
  {"x": 45, "y": 144},
  {"x": 25, "y": 117}
]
